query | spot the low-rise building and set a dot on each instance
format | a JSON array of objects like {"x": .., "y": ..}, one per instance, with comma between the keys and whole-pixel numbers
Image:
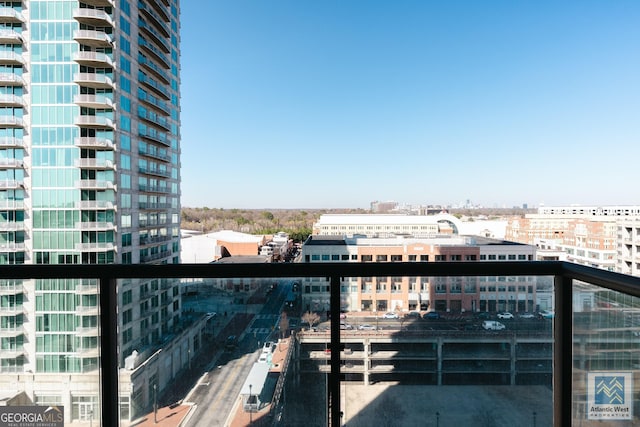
[{"x": 450, "y": 294}]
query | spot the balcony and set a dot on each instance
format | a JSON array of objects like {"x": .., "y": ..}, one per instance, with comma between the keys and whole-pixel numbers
[
  {"x": 11, "y": 58},
  {"x": 93, "y": 59},
  {"x": 12, "y": 247},
  {"x": 10, "y": 37},
  {"x": 155, "y": 69},
  {"x": 154, "y": 171},
  {"x": 93, "y": 101},
  {"x": 156, "y": 119},
  {"x": 157, "y": 20},
  {"x": 8, "y": 14},
  {"x": 11, "y": 79},
  {"x": 156, "y": 154},
  {"x": 94, "y": 184},
  {"x": 98, "y": 122},
  {"x": 95, "y": 226},
  {"x": 12, "y": 205},
  {"x": 11, "y": 183},
  {"x": 154, "y": 102},
  {"x": 12, "y": 226},
  {"x": 10, "y": 163},
  {"x": 94, "y": 205},
  {"x": 11, "y": 101},
  {"x": 95, "y": 143},
  {"x": 11, "y": 121},
  {"x": 93, "y": 17},
  {"x": 93, "y": 163},
  {"x": 154, "y": 188},
  {"x": 95, "y": 247},
  {"x": 570, "y": 349},
  {"x": 93, "y": 38},
  {"x": 93, "y": 80}
]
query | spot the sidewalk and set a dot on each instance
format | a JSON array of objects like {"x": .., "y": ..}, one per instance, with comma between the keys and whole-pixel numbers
[{"x": 172, "y": 412}]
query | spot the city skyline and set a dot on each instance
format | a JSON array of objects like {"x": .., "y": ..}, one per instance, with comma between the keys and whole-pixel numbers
[{"x": 337, "y": 104}]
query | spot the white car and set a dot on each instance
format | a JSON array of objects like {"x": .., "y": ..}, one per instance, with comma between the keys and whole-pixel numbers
[
  {"x": 492, "y": 325},
  {"x": 547, "y": 314},
  {"x": 366, "y": 327},
  {"x": 390, "y": 315},
  {"x": 505, "y": 315},
  {"x": 526, "y": 315}
]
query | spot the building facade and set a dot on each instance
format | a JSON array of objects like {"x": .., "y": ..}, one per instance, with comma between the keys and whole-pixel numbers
[
  {"x": 586, "y": 235},
  {"x": 89, "y": 173},
  {"x": 402, "y": 294}
]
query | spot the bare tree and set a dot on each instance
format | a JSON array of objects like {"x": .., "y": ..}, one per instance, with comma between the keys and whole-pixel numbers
[
  {"x": 284, "y": 324},
  {"x": 311, "y": 318}
]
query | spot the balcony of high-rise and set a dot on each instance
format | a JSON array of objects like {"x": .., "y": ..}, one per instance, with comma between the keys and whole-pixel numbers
[{"x": 570, "y": 369}]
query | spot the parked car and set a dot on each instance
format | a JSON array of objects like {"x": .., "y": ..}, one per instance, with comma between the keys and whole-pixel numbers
[
  {"x": 526, "y": 315},
  {"x": 412, "y": 315},
  {"x": 231, "y": 343},
  {"x": 344, "y": 325},
  {"x": 483, "y": 315},
  {"x": 547, "y": 314},
  {"x": 505, "y": 315},
  {"x": 433, "y": 315},
  {"x": 366, "y": 327},
  {"x": 390, "y": 315},
  {"x": 493, "y": 325}
]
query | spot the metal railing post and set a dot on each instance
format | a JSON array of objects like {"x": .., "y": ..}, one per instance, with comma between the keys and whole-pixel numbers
[
  {"x": 334, "y": 376},
  {"x": 562, "y": 350},
  {"x": 109, "y": 408}
]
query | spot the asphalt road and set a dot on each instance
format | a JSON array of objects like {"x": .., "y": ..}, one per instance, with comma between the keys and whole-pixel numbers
[{"x": 218, "y": 389}]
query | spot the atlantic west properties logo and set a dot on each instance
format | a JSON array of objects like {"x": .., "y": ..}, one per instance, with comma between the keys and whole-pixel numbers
[
  {"x": 31, "y": 416},
  {"x": 610, "y": 395}
]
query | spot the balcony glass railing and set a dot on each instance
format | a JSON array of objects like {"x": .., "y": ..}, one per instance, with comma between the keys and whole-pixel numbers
[{"x": 158, "y": 342}]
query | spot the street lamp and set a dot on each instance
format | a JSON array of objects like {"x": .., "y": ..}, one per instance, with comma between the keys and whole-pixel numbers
[
  {"x": 250, "y": 409},
  {"x": 437, "y": 419},
  {"x": 155, "y": 404}
]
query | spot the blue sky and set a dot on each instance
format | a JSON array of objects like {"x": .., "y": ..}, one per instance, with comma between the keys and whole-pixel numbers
[{"x": 335, "y": 104}]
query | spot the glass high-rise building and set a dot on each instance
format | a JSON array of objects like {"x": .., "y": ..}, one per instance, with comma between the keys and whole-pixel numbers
[{"x": 89, "y": 173}]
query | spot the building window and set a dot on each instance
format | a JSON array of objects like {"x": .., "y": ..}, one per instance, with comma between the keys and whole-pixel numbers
[
  {"x": 413, "y": 258},
  {"x": 441, "y": 257},
  {"x": 424, "y": 258},
  {"x": 366, "y": 258},
  {"x": 469, "y": 257},
  {"x": 396, "y": 258},
  {"x": 335, "y": 257},
  {"x": 381, "y": 258}
]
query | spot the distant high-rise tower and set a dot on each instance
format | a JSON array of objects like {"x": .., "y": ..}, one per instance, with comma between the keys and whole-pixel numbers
[{"x": 89, "y": 173}]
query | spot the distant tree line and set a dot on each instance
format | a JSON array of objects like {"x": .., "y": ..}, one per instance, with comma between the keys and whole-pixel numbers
[{"x": 297, "y": 223}]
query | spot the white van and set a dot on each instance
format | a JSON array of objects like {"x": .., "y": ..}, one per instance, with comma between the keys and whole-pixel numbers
[{"x": 492, "y": 325}]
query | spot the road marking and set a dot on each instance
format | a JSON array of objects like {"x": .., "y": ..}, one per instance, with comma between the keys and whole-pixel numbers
[{"x": 230, "y": 380}]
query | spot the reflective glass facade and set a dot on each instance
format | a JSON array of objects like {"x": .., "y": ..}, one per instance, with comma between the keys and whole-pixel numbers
[{"x": 89, "y": 174}]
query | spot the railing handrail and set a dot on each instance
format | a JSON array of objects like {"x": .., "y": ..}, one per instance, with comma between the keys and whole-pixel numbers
[{"x": 607, "y": 279}]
